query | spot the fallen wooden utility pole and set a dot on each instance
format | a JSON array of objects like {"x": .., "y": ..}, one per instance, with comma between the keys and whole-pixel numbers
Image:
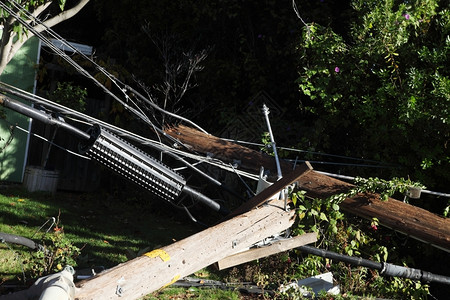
[
  {"x": 249, "y": 159},
  {"x": 164, "y": 266},
  {"x": 410, "y": 220},
  {"x": 397, "y": 215}
]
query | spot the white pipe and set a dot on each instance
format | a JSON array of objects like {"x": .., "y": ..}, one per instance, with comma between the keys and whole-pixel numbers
[{"x": 59, "y": 286}]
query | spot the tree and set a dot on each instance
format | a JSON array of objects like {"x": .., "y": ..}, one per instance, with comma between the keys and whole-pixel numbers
[
  {"x": 381, "y": 89},
  {"x": 14, "y": 34},
  {"x": 250, "y": 49}
]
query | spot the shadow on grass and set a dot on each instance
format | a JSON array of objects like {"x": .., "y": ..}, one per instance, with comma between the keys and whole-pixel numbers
[{"x": 107, "y": 229}]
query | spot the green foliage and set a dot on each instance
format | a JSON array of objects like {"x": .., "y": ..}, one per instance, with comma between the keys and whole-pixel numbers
[
  {"x": 58, "y": 252},
  {"x": 383, "y": 86},
  {"x": 313, "y": 213},
  {"x": 352, "y": 236},
  {"x": 61, "y": 4},
  {"x": 386, "y": 188},
  {"x": 18, "y": 28},
  {"x": 405, "y": 288},
  {"x": 447, "y": 210},
  {"x": 70, "y": 95}
]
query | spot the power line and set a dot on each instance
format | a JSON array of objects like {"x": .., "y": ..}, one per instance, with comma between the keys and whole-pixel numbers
[
  {"x": 343, "y": 164},
  {"x": 48, "y": 141},
  {"x": 310, "y": 152},
  {"x": 138, "y": 111},
  {"x": 120, "y": 85},
  {"x": 157, "y": 145},
  {"x": 174, "y": 153}
]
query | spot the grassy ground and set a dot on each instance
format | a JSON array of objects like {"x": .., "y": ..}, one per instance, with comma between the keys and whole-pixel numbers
[{"x": 107, "y": 230}]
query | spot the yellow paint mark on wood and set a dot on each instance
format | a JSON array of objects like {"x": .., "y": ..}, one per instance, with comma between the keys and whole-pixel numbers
[{"x": 158, "y": 253}]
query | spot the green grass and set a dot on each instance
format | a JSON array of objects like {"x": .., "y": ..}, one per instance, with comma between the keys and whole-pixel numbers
[
  {"x": 108, "y": 230},
  {"x": 195, "y": 293}
]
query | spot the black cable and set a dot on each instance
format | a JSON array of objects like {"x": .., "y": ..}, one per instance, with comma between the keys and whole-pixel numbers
[
  {"x": 18, "y": 240},
  {"x": 357, "y": 261},
  {"x": 385, "y": 269}
]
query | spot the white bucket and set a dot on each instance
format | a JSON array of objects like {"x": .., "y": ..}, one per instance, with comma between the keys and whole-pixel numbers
[{"x": 38, "y": 179}]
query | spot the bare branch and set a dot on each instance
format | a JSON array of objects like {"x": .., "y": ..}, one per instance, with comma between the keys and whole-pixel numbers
[{"x": 38, "y": 10}]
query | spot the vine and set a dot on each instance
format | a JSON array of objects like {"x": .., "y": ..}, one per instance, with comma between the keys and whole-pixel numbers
[
  {"x": 386, "y": 188},
  {"x": 354, "y": 236}
]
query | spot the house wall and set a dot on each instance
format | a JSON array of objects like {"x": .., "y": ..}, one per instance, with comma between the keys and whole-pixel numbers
[{"x": 20, "y": 72}]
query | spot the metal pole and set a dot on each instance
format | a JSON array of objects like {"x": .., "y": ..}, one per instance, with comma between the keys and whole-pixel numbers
[
  {"x": 41, "y": 116},
  {"x": 272, "y": 141}
]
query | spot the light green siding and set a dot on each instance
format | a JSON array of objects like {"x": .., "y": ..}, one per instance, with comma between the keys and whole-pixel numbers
[{"x": 20, "y": 72}]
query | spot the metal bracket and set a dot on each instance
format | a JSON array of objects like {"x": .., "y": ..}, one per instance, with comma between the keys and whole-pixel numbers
[
  {"x": 236, "y": 163},
  {"x": 272, "y": 140},
  {"x": 119, "y": 289}
]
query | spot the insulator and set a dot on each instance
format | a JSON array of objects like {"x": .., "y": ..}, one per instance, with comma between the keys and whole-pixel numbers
[{"x": 132, "y": 163}]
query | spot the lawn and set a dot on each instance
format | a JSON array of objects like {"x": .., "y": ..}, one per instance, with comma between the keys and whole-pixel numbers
[{"x": 108, "y": 230}]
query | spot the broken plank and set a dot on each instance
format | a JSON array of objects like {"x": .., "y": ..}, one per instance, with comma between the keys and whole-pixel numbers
[
  {"x": 274, "y": 248},
  {"x": 158, "y": 268}
]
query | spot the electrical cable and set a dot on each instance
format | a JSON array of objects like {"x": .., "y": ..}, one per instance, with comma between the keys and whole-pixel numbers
[
  {"x": 249, "y": 190},
  {"x": 138, "y": 112},
  {"x": 175, "y": 153},
  {"x": 384, "y": 268},
  {"x": 121, "y": 157},
  {"x": 70, "y": 112},
  {"x": 77, "y": 67},
  {"x": 120, "y": 85},
  {"x": 48, "y": 141},
  {"x": 342, "y": 164},
  {"x": 122, "y": 132},
  {"x": 18, "y": 240},
  {"x": 152, "y": 104},
  {"x": 309, "y": 152},
  {"x": 156, "y": 145},
  {"x": 294, "y": 6}
]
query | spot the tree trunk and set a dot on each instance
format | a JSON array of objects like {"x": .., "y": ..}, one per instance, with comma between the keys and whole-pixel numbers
[{"x": 5, "y": 45}]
